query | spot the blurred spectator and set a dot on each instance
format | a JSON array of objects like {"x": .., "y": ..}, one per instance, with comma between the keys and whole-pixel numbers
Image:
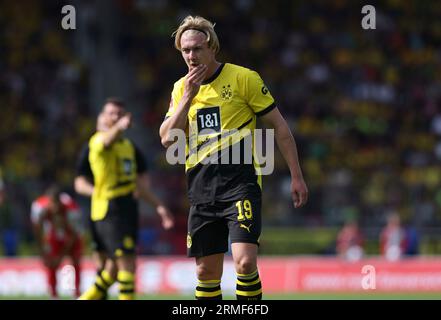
[
  {"x": 350, "y": 242},
  {"x": 412, "y": 240},
  {"x": 2, "y": 186},
  {"x": 8, "y": 228},
  {"x": 393, "y": 242}
]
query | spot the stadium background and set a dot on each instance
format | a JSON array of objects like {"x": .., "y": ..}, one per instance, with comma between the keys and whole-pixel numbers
[{"x": 364, "y": 106}]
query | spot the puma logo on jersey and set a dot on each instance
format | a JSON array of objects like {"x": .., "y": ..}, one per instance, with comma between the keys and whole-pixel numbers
[{"x": 245, "y": 227}]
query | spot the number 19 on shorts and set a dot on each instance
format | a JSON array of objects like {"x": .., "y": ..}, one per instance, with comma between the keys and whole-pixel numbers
[{"x": 244, "y": 210}]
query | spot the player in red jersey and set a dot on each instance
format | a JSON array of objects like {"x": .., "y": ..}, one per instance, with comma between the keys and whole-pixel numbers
[{"x": 56, "y": 221}]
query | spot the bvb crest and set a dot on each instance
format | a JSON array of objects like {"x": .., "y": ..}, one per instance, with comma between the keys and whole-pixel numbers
[{"x": 226, "y": 92}]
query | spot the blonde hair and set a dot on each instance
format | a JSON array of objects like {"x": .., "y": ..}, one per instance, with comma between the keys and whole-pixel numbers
[{"x": 198, "y": 24}]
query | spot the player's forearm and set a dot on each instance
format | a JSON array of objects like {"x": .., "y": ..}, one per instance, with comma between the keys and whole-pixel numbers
[
  {"x": 287, "y": 146},
  {"x": 177, "y": 121},
  {"x": 144, "y": 191},
  {"x": 111, "y": 135},
  {"x": 83, "y": 187},
  {"x": 149, "y": 197}
]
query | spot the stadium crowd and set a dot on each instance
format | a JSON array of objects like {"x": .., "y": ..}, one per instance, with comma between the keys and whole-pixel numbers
[{"x": 364, "y": 105}]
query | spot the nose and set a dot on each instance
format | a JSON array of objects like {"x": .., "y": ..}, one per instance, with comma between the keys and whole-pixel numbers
[{"x": 191, "y": 55}]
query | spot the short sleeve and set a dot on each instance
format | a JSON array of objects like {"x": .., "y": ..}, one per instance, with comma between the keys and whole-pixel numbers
[
  {"x": 82, "y": 167},
  {"x": 176, "y": 96},
  {"x": 96, "y": 144},
  {"x": 257, "y": 94},
  {"x": 141, "y": 163}
]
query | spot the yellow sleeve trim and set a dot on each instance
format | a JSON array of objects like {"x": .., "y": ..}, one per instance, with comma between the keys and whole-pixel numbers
[{"x": 271, "y": 107}]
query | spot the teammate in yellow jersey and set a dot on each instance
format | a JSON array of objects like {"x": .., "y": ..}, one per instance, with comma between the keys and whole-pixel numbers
[
  {"x": 83, "y": 185},
  {"x": 211, "y": 101},
  {"x": 119, "y": 177}
]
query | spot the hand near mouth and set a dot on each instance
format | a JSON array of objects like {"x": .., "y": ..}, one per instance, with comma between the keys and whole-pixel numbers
[{"x": 194, "y": 78}]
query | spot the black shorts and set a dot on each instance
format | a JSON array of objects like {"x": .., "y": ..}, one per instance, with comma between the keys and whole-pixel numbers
[
  {"x": 96, "y": 242},
  {"x": 210, "y": 225},
  {"x": 118, "y": 231}
]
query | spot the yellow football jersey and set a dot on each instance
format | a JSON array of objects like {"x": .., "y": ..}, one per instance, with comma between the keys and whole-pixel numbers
[
  {"x": 222, "y": 115},
  {"x": 114, "y": 172}
]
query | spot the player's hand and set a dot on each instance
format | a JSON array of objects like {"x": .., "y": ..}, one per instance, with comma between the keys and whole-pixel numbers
[
  {"x": 299, "y": 192},
  {"x": 193, "y": 80},
  {"x": 124, "y": 122},
  {"x": 168, "y": 220}
]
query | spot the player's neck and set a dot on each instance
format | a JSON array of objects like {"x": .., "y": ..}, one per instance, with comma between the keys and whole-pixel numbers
[{"x": 212, "y": 68}]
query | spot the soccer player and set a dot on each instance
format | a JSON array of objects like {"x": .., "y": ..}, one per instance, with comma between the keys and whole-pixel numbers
[
  {"x": 56, "y": 221},
  {"x": 225, "y": 198},
  {"x": 119, "y": 177},
  {"x": 83, "y": 185}
]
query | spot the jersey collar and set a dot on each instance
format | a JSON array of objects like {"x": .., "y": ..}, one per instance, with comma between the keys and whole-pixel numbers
[{"x": 215, "y": 75}]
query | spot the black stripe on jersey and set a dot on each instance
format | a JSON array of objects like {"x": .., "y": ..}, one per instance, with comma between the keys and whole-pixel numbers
[
  {"x": 221, "y": 182},
  {"x": 266, "y": 110},
  {"x": 83, "y": 165},
  {"x": 244, "y": 124},
  {"x": 141, "y": 163},
  {"x": 226, "y": 134},
  {"x": 215, "y": 75},
  {"x": 209, "y": 141},
  {"x": 122, "y": 184}
]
